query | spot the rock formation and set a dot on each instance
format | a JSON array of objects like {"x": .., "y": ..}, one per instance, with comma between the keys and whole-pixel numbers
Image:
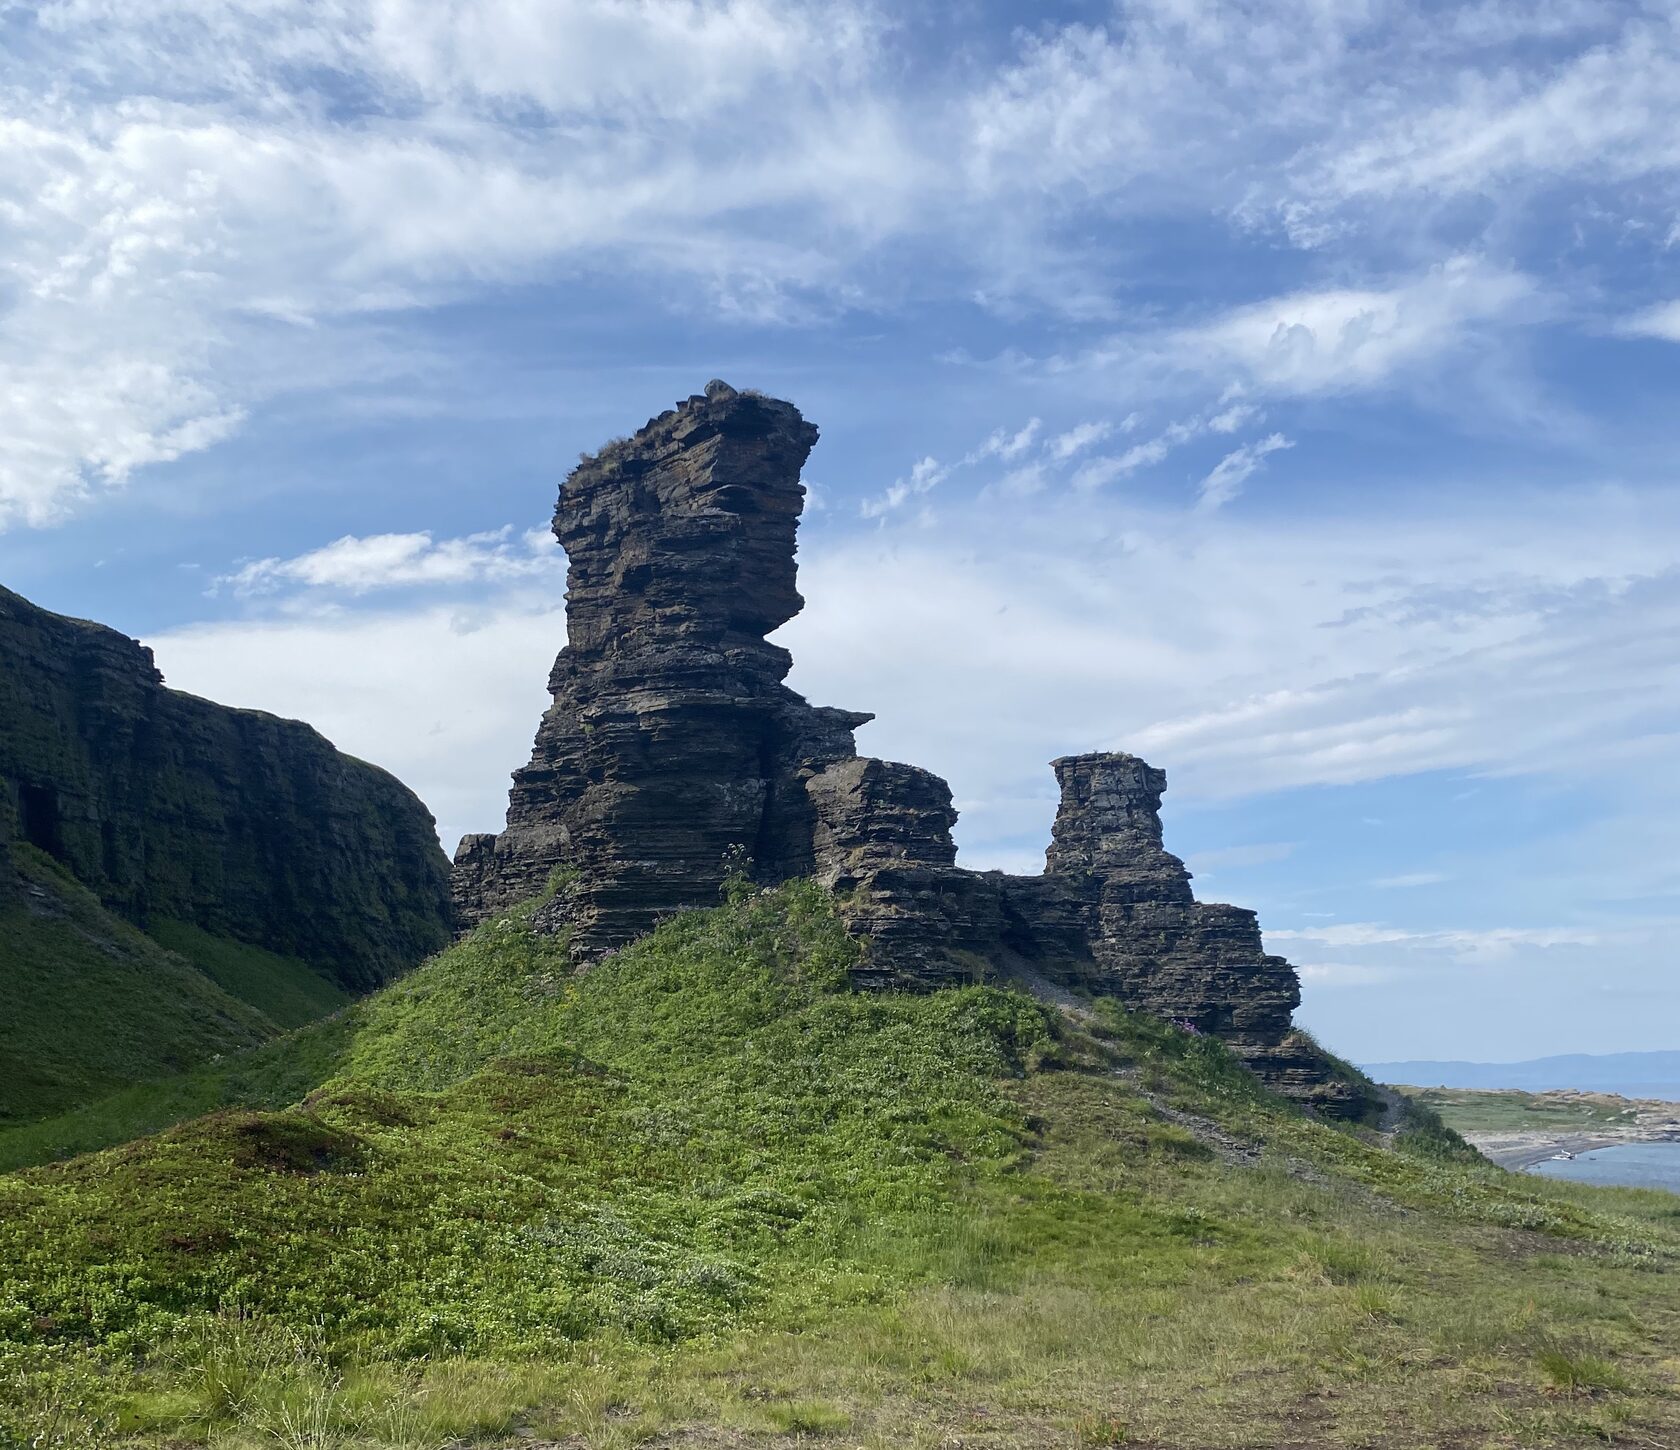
[
  {"x": 674, "y": 753},
  {"x": 672, "y": 741},
  {"x": 168, "y": 806}
]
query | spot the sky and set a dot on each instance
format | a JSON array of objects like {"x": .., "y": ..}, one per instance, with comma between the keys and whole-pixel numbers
[{"x": 1282, "y": 391}]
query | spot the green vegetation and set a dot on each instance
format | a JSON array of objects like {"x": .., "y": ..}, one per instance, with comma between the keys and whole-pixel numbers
[
  {"x": 286, "y": 990},
  {"x": 1468, "y": 1110},
  {"x": 706, "y": 1194},
  {"x": 271, "y": 1076},
  {"x": 93, "y": 1004}
]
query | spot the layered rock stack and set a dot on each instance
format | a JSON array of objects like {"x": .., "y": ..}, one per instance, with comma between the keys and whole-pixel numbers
[
  {"x": 171, "y": 807},
  {"x": 1153, "y": 945},
  {"x": 674, "y": 753}
]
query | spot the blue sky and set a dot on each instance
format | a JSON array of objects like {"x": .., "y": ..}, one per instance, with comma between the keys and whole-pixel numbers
[{"x": 1284, "y": 392}]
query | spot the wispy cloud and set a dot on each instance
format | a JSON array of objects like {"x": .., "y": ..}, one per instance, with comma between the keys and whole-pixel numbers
[
  {"x": 1481, "y": 945},
  {"x": 1346, "y": 340},
  {"x": 1661, "y": 320},
  {"x": 390, "y": 561},
  {"x": 925, "y": 475},
  {"x": 204, "y": 199},
  {"x": 1064, "y": 445},
  {"x": 1006, "y": 445},
  {"x": 1232, "y": 471}
]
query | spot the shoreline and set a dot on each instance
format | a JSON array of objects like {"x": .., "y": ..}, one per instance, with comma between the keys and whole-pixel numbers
[{"x": 1519, "y": 1152}]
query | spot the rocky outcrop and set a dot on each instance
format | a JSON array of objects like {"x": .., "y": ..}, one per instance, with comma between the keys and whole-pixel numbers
[
  {"x": 1155, "y": 947},
  {"x": 672, "y": 749},
  {"x": 1153, "y": 943},
  {"x": 674, "y": 753},
  {"x": 168, "y": 806}
]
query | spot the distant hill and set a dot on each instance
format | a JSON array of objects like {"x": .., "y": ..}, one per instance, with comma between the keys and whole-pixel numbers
[{"x": 1632, "y": 1074}]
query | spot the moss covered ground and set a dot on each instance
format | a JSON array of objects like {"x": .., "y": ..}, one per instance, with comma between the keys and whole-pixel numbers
[{"x": 705, "y": 1194}]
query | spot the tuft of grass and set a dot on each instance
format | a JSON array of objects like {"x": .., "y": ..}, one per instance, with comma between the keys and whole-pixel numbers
[
  {"x": 1579, "y": 1372},
  {"x": 806, "y": 1417}
]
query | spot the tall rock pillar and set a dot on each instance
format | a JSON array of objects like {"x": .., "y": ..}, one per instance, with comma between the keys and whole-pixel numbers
[{"x": 672, "y": 748}]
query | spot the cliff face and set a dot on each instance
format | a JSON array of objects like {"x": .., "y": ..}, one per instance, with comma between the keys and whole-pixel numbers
[
  {"x": 168, "y": 806},
  {"x": 674, "y": 754}
]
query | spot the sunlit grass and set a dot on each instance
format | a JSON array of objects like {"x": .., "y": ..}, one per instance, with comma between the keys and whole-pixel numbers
[{"x": 706, "y": 1191}]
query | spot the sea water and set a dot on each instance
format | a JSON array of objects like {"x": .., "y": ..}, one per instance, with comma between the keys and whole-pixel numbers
[{"x": 1627, "y": 1165}]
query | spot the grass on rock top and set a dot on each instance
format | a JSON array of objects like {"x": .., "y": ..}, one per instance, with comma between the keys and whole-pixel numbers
[{"x": 705, "y": 1189}]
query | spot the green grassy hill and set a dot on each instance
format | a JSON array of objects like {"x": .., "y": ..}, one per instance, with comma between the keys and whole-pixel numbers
[
  {"x": 92, "y": 1003},
  {"x": 705, "y": 1194},
  {"x": 1500, "y": 1110}
]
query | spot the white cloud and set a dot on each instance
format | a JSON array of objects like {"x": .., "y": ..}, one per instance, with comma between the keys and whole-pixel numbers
[
  {"x": 1104, "y": 469},
  {"x": 447, "y": 698},
  {"x": 1486, "y": 944},
  {"x": 1064, "y": 445},
  {"x": 1346, "y": 340},
  {"x": 387, "y": 561},
  {"x": 1241, "y": 656},
  {"x": 1006, "y": 445},
  {"x": 1245, "y": 655},
  {"x": 1661, "y": 320},
  {"x": 926, "y": 474},
  {"x": 1099, "y": 472},
  {"x": 1409, "y": 879},
  {"x": 1225, "y": 482},
  {"x": 156, "y": 244},
  {"x": 1228, "y": 420},
  {"x": 199, "y": 198},
  {"x": 1610, "y": 110},
  {"x": 1290, "y": 107}
]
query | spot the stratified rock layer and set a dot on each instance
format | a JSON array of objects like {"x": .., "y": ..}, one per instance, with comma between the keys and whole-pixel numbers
[
  {"x": 673, "y": 754},
  {"x": 168, "y": 806},
  {"x": 672, "y": 751}
]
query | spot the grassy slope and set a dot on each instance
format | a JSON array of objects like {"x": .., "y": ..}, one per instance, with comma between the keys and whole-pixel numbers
[
  {"x": 286, "y": 990},
  {"x": 705, "y": 1192},
  {"x": 273, "y": 1075},
  {"x": 92, "y": 1004}
]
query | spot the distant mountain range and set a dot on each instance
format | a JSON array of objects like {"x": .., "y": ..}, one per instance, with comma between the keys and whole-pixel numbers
[{"x": 1632, "y": 1074}]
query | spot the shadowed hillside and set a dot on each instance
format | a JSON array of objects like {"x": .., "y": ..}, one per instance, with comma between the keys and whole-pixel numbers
[{"x": 92, "y": 1003}]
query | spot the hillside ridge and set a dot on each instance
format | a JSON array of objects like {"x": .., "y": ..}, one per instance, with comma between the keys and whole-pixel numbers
[{"x": 710, "y": 1193}]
